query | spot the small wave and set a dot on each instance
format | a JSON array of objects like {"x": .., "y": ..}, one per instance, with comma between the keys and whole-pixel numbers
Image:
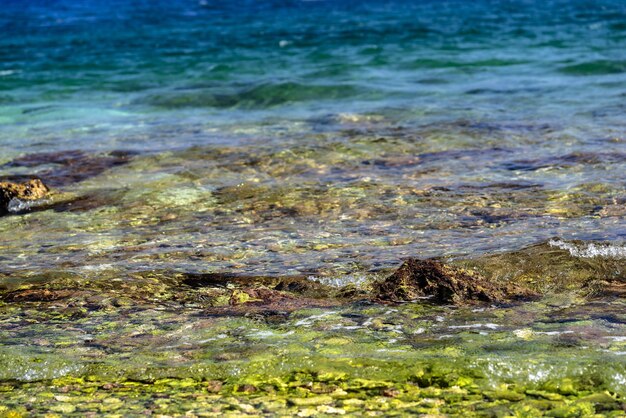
[
  {"x": 428, "y": 63},
  {"x": 341, "y": 281},
  {"x": 590, "y": 250},
  {"x": 258, "y": 96},
  {"x": 18, "y": 206},
  {"x": 601, "y": 67},
  {"x": 5, "y": 99}
]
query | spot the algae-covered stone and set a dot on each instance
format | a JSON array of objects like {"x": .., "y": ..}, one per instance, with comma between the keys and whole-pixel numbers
[
  {"x": 545, "y": 395},
  {"x": 239, "y": 297},
  {"x": 563, "y": 386},
  {"x": 313, "y": 401},
  {"x": 582, "y": 409},
  {"x": 556, "y": 266},
  {"x": 505, "y": 394},
  {"x": 65, "y": 408},
  {"x": 602, "y": 401}
]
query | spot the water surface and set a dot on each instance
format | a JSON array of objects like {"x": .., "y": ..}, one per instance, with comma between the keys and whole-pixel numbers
[{"x": 309, "y": 138}]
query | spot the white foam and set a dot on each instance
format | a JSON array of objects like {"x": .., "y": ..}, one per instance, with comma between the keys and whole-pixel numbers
[
  {"x": 618, "y": 338},
  {"x": 17, "y": 205},
  {"x": 488, "y": 326},
  {"x": 554, "y": 332},
  {"x": 97, "y": 267},
  {"x": 341, "y": 281},
  {"x": 309, "y": 320},
  {"x": 590, "y": 250}
]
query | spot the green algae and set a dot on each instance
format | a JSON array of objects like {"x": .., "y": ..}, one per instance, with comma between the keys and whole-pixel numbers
[{"x": 299, "y": 394}]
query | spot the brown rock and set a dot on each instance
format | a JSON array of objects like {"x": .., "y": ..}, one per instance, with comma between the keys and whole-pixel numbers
[
  {"x": 31, "y": 190},
  {"x": 214, "y": 386},
  {"x": 247, "y": 388},
  {"x": 390, "y": 392},
  {"x": 443, "y": 283}
]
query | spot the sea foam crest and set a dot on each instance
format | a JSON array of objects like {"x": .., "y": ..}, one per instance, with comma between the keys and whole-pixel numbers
[
  {"x": 590, "y": 250},
  {"x": 17, "y": 205},
  {"x": 340, "y": 281}
]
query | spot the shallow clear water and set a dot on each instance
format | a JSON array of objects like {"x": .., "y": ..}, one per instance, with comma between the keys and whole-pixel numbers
[
  {"x": 324, "y": 139},
  {"x": 504, "y": 111}
]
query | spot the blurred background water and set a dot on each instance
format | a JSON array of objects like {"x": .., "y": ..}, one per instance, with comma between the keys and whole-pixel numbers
[{"x": 101, "y": 75}]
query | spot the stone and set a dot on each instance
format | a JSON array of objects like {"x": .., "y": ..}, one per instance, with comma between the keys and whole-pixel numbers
[
  {"x": 444, "y": 284},
  {"x": 30, "y": 190}
]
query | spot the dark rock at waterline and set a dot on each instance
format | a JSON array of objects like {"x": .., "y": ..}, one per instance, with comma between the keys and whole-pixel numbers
[
  {"x": 37, "y": 295},
  {"x": 299, "y": 285},
  {"x": 87, "y": 201},
  {"x": 30, "y": 190},
  {"x": 442, "y": 283},
  {"x": 66, "y": 167},
  {"x": 232, "y": 294}
]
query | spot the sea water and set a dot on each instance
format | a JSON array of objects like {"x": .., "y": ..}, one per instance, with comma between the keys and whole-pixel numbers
[{"x": 329, "y": 139}]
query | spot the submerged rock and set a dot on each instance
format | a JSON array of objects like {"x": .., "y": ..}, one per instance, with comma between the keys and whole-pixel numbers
[
  {"x": 31, "y": 190},
  {"x": 442, "y": 283}
]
